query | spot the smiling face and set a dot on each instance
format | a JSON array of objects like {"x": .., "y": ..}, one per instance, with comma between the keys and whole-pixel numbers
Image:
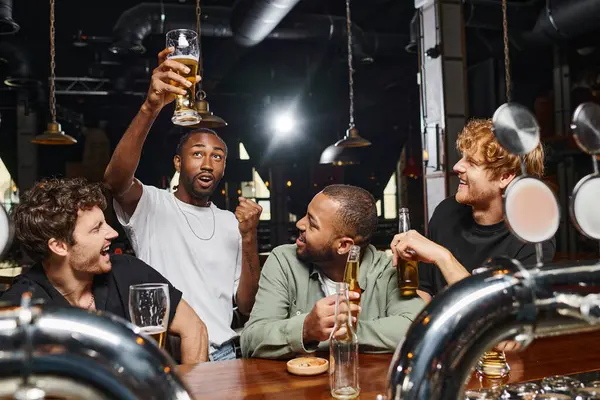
[
  {"x": 317, "y": 240},
  {"x": 476, "y": 187},
  {"x": 485, "y": 168},
  {"x": 92, "y": 237},
  {"x": 201, "y": 164}
]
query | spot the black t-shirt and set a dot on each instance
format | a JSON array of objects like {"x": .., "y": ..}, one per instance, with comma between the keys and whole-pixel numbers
[
  {"x": 453, "y": 227},
  {"x": 111, "y": 290}
]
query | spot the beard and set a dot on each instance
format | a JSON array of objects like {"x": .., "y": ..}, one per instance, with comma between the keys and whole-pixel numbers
[
  {"x": 316, "y": 256},
  {"x": 474, "y": 197},
  {"x": 194, "y": 191},
  {"x": 89, "y": 263}
]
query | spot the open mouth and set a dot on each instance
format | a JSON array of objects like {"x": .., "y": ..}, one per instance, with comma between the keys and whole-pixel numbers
[
  {"x": 301, "y": 241},
  {"x": 206, "y": 181},
  {"x": 105, "y": 250},
  {"x": 462, "y": 182}
]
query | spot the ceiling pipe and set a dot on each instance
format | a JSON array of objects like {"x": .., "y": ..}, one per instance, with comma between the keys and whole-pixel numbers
[
  {"x": 566, "y": 19},
  {"x": 17, "y": 68},
  {"x": 253, "y": 20},
  {"x": 558, "y": 20},
  {"x": 7, "y": 25},
  {"x": 137, "y": 23}
]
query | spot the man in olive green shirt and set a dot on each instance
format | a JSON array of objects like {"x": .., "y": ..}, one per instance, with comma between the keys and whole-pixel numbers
[{"x": 294, "y": 308}]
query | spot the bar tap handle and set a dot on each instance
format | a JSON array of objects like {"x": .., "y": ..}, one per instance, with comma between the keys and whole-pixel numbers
[{"x": 581, "y": 307}]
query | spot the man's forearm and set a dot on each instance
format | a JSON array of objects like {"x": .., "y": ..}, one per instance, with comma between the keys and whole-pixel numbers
[
  {"x": 194, "y": 345},
  {"x": 274, "y": 339},
  {"x": 250, "y": 274},
  {"x": 119, "y": 174},
  {"x": 452, "y": 270},
  {"x": 383, "y": 335}
]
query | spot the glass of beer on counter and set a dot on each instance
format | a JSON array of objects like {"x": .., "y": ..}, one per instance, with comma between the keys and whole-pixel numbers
[
  {"x": 149, "y": 307},
  {"x": 187, "y": 52}
]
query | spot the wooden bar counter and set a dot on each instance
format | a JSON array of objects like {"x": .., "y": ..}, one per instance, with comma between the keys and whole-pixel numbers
[{"x": 267, "y": 379}]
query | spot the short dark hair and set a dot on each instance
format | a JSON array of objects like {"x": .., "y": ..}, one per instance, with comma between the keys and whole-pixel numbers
[
  {"x": 183, "y": 140},
  {"x": 49, "y": 210},
  {"x": 357, "y": 215}
]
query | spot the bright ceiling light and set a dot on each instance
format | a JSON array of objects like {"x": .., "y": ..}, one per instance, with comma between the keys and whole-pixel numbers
[{"x": 284, "y": 123}]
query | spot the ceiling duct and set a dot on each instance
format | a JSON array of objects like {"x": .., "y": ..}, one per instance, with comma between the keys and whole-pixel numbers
[
  {"x": 145, "y": 19},
  {"x": 7, "y": 25},
  {"x": 16, "y": 66},
  {"x": 567, "y": 19},
  {"x": 135, "y": 24},
  {"x": 253, "y": 20}
]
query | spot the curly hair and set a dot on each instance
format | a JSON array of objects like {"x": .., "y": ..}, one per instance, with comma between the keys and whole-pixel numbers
[
  {"x": 357, "y": 215},
  {"x": 477, "y": 138},
  {"x": 49, "y": 210}
]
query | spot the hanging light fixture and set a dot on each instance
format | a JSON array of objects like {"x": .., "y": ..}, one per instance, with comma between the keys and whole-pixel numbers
[
  {"x": 53, "y": 134},
  {"x": 338, "y": 154},
  {"x": 208, "y": 119}
]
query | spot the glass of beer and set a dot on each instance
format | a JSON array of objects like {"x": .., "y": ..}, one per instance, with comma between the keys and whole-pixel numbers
[
  {"x": 493, "y": 365},
  {"x": 187, "y": 52},
  {"x": 149, "y": 306}
]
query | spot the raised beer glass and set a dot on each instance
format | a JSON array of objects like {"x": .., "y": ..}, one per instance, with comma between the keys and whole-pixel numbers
[
  {"x": 187, "y": 52},
  {"x": 149, "y": 306}
]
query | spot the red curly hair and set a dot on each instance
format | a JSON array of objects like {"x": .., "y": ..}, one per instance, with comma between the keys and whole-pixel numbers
[{"x": 477, "y": 139}]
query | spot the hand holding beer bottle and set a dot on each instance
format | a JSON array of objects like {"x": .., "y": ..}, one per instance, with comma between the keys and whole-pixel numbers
[
  {"x": 351, "y": 272},
  {"x": 408, "y": 269}
]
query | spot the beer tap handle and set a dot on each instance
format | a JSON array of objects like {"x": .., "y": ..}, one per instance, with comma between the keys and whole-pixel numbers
[
  {"x": 27, "y": 391},
  {"x": 580, "y": 307},
  {"x": 539, "y": 255}
]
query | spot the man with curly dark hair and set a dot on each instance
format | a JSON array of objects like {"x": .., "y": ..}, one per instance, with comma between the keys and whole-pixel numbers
[{"x": 60, "y": 224}]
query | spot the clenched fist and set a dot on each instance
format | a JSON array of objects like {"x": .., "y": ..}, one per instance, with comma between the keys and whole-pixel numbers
[
  {"x": 319, "y": 323},
  {"x": 248, "y": 215}
]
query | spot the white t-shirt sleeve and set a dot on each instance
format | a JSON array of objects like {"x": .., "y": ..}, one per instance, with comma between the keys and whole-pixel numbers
[{"x": 145, "y": 207}]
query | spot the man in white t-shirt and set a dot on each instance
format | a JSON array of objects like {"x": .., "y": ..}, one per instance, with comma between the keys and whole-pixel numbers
[{"x": 210, "y": 254}]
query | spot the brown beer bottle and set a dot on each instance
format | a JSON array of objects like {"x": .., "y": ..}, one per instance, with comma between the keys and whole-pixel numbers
[
  {"x": 408, "y": 271},
  {"x": 351, "y": 272}
]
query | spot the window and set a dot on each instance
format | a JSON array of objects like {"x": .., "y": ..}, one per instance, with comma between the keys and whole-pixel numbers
[
  {"x": 390, "y": 199},
  {"x": 389, "y": 206},
  {"x": 257, "y": 189},
  {"x": 9, "y": 193}
]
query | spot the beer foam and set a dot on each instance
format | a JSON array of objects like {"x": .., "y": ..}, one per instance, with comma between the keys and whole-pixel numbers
[
  {"x": 182, "y": 41},
  {"x": 152, "y": 330},
  {"x": 184, "y": 57}
]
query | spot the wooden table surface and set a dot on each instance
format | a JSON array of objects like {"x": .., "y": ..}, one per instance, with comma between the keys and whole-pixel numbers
[{"x": 268, "y": 379}]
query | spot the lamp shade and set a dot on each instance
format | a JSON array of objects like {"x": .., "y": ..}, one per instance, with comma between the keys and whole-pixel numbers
[
  {"x": 208, "y": 119},
  {"x": 352, "y": 139},
  {"x": 340, "y": 156},
  {"x": 54, "y": 136}
]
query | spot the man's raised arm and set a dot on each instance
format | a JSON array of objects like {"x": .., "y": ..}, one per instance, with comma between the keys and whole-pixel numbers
[{"x": 119, "y": 174}]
